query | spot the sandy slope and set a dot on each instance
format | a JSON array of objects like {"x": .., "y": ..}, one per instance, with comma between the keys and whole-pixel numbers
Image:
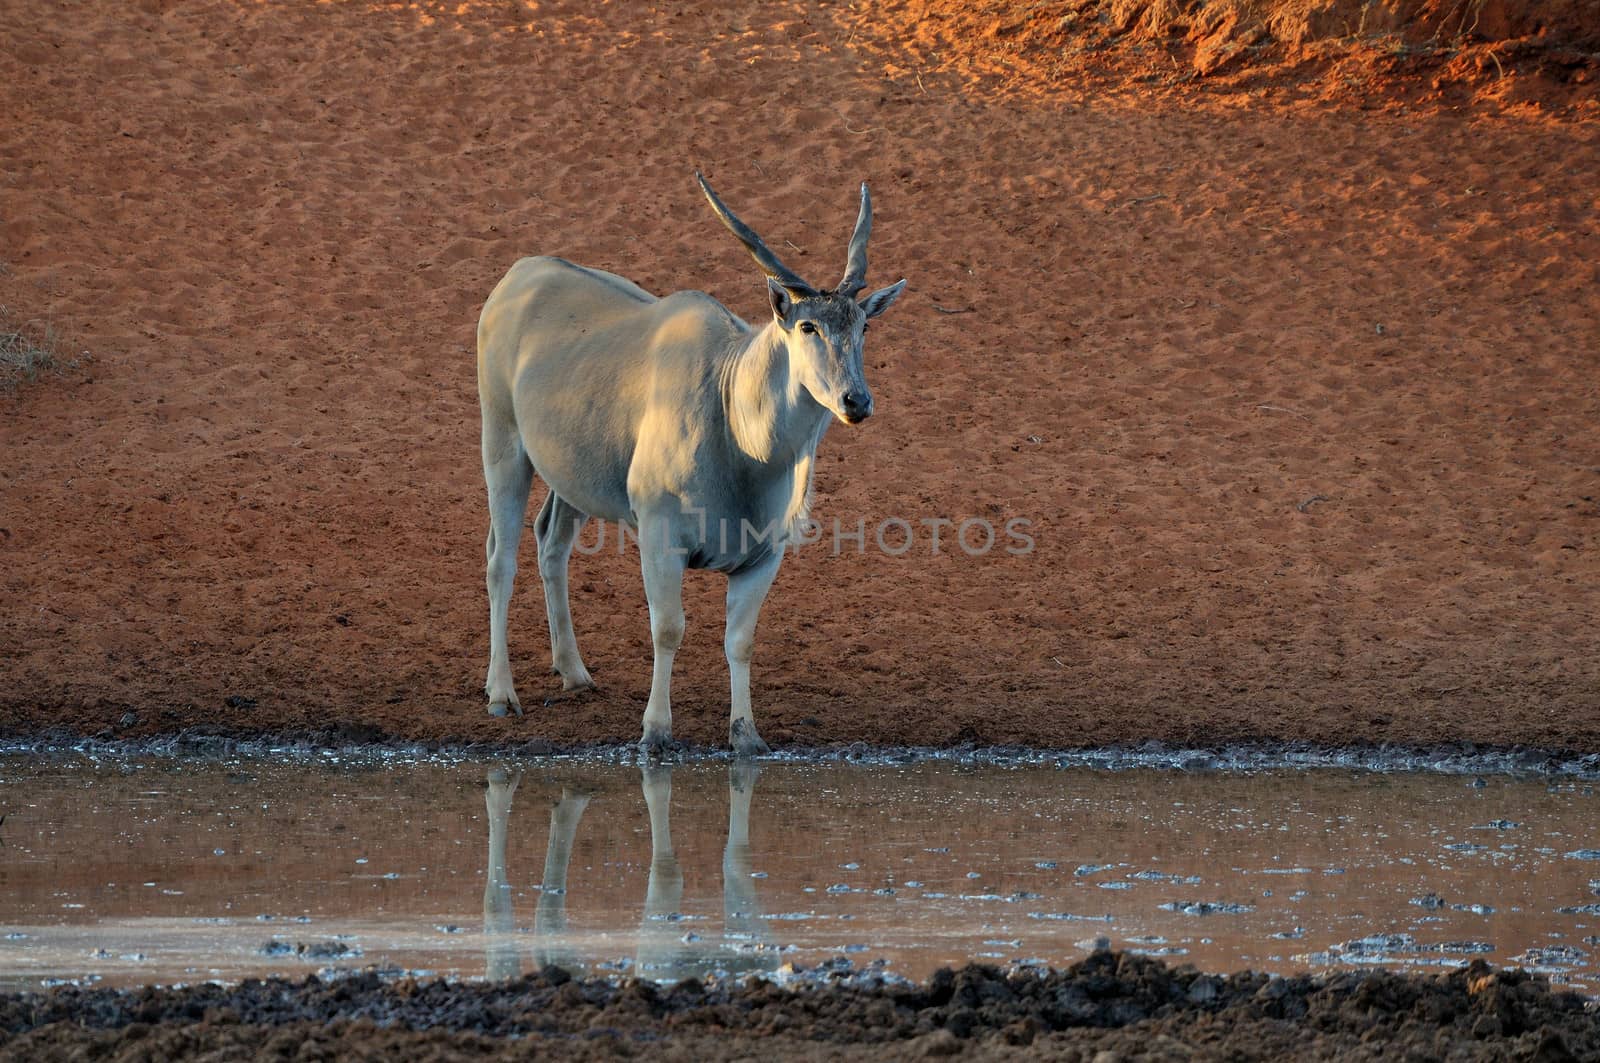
[{"x": 1300, "y": 401}]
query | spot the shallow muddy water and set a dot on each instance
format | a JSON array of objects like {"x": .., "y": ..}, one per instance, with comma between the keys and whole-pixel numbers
[{"x": 181, "y": 870}]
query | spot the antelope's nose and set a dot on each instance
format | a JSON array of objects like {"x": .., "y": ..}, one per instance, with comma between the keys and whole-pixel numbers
[{"x": 857, "y": 406}]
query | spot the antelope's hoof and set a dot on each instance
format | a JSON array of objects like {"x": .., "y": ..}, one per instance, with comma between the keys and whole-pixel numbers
[
  {"x": 745, "y": 741},
  {"x": 570, "y": 694},
  {"x": 658, "y": 744},
  {"x": 504, "y": 708}
]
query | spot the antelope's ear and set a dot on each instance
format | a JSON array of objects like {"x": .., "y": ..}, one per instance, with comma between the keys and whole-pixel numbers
[
  {"x": 879, "y": 301},
  {"x": 782, "y": 301}
]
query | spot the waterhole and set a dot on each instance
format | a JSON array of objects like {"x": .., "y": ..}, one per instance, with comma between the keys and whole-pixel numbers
[{"x": 168, "y": 869}]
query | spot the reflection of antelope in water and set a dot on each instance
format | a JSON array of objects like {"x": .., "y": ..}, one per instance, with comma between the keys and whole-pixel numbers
[{"x": 669, "y": 947}]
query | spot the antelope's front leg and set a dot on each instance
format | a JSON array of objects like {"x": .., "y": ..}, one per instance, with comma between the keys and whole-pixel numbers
[
  {"x": 663, "y": 563},
  {"x": 746, "y": 591}
]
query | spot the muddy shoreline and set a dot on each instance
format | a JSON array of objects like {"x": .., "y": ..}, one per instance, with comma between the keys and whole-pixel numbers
[
  {"x": 1132, "y": 1006},
  {"x": 337, "y": 743}
]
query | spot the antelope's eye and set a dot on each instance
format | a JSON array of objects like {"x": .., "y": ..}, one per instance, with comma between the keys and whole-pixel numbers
[{"x": 807, "y": 327}]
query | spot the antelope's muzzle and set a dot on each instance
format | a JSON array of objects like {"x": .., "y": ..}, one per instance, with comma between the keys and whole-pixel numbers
[{"x": 857, "y": 406}]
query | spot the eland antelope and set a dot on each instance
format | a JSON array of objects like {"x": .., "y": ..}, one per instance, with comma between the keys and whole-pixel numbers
[{"x": 670, "y": 416}]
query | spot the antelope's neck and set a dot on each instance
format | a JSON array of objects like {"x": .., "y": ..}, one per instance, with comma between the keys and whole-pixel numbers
[
  {"x": 771, "y": 416},
  {"x": 774, "y": 421}
]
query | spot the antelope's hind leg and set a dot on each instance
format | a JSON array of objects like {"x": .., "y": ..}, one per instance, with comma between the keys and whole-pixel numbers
[
  {"x": 557, "y": 529},
  {"x": 508, "y": 474}
]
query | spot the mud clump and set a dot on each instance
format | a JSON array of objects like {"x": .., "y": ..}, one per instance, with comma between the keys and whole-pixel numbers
[
  {"x": 310, "y": 950},
  {"x": 1131, "y": 1006}
]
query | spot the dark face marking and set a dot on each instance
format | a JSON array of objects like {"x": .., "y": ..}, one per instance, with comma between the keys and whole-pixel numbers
[{"x": 836, "y": 315}]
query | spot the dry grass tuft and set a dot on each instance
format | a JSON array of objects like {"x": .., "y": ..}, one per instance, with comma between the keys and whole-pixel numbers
[{"x": 27, "y": 349}]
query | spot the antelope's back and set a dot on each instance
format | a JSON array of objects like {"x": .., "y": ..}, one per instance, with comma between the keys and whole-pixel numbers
[{"x": 581, "y": 360}]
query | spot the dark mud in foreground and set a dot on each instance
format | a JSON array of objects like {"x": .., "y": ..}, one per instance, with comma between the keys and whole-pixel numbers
[{"x": 1137, "y": 1008}]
